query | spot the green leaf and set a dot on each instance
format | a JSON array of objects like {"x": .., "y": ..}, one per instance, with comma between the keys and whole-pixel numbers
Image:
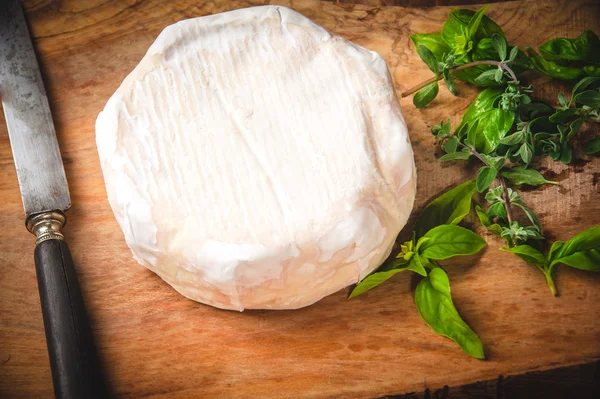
[
  {"x": 585, "y": 48},
  {"x": 373, "y": 280},
  {"x": 530, "y": 215},
  {"x": 485, "y": 177},
  {"x": 492, "y": 124},
  {"x": 513, "y": 54},
  {"x": 525, "y": 153},
  {"x": 475, "y": 22},
  {"x": 449, "y": 81},
  {"x": 592, "y": 146},
  {"x": 566, "y": 153},
  {"x": 534, "y": 110},
  {"x": 449, "y": 208},
  {"x": 434, "y": 42},
  {"x": 591, "y": 98},
  {"x": 500, "y": 45},
  {"x": 589, "y": 82},
  {"x": 528, "y": 254},
  {"x": 425, "y": 95},
  {"x": 447, "y": 241},
  {"x": 515, "y": 138},
  {"x": 485, "y": 220},
  {"x": 450, "y": 145},
  {"x": 434, "y": 303},
  {"x": 553, "y": 69},
  {"x": 428, "y": 58},
  {"x": 416, "y": 265},
  {"x": 457, "y": 156},
  {"x": 555, "y": 249},
  {"x": 521, "y": 175},
  {"x": 459, "y": 19},
  {"x": 497, "y": 210},
  {"x": 574, "y": 127},
  {"x": 584, "y": 260},
  {"x": 582, "y": 242},
  {"x": 486, "y": 77},
  {"x": 562, "y": 115}
]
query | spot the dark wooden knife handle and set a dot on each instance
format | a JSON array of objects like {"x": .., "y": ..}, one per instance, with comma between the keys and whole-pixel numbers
[{"x": 75, "y": 367}]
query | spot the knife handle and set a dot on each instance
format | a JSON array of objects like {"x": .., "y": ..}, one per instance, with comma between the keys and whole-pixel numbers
[{"x": 75, "y": 367}]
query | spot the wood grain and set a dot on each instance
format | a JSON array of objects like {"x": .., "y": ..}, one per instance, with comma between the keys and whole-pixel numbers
[{"x": 153, "y": 342}]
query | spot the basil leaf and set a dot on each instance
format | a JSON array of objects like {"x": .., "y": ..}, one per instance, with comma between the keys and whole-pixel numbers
[
  {"x": 475, "y": 21},
  {"x": 425, "y": 95},
  {"x": 447, "y": 241},
  {"x": 485, "y": 177},
  {"x": 416, "y": 265},
  {"x": 562, "y": 115},
  {"x": 585, "y": 48},
  {"x": 373, "y": 280},
  {"x": 449, "y": 208},
  {"x": 528, "y": 254},
  {"x": 586, "y": 83},
  {"x": 584, "y": 241},
  {"x": 428, "y": 58},
  {"x": 459, "y": 19},
  {"x": 584, "y": 260},
  {"x": 434, "y": 303},
  {"x": 555, "y": 249},
  {"x": 434, "y": 42},
  {"x": 592, "y": 146},
  {"x": 492, "y": 123},
  {"x": 591, "y": 98},
  {"x": 553, "y": 69},
  {"x": 500, "y": 45},
  {"x": 521, "y": 175},
  {"x": 531, "y": 216}
]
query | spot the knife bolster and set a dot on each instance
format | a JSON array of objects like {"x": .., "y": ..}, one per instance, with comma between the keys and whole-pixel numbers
[{"x": 47, "y": 226}]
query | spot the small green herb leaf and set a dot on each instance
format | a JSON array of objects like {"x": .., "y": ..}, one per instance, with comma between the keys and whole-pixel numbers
[
  {"x": 425, "y": 95},
  {"x": 449, "y": 208},
  {"x": 416, "y": 265},
  {"x": 428, "y": 58},
  {"x": 446, "y": 241},
  {"x": 474, "y": 23},
  {"x": 563, "y": 115},
  {"x": 521, "y": 175},
  {"x": 515, "y": 138},
  {"x": 590, "y": 82},
  {"x": 592, "y": 146},
  {"x": 485, "y": 220},
  {"x": 500, "y": 45},
  {"x": 554, "y": 250},
  {"x": 434, "y": 303},
  {"x": 450, "y": 145},
  {"x": 591, "y": 98},
  {"x": 528, "y": 254},
  {"x": 457, "y": 156},
  {"x": 485, "y": 177},
  {"x": 530, "y": 215}
]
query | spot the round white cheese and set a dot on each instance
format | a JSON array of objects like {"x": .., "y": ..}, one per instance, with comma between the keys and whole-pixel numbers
[{"x": 255, "y": 160}]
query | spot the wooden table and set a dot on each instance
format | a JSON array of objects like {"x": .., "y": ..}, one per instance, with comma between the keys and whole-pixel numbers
[{"x": 153, "y": 342}]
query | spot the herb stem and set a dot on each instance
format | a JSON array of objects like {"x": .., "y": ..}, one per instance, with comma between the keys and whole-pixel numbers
[
  {"x": 550, "y": 281},
  {"x": 458, "y": 68},
  {"x": 507, "y": 203}
]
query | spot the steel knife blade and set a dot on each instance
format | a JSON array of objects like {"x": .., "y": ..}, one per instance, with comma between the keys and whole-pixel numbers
[{"x": 31, "y": 130}]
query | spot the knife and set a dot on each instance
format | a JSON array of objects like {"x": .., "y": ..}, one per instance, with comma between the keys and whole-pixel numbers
[{"x": 73, "y": 360}]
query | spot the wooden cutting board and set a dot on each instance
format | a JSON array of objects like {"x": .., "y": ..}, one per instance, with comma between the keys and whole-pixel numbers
[{"x": 154, "y": 342}]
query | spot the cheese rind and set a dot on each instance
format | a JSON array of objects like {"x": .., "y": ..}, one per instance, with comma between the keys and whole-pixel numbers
[{"x": 255, "y": 160}]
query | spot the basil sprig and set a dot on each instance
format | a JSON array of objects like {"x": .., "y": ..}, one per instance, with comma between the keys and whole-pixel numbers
[{"x": 436, "y": 236}]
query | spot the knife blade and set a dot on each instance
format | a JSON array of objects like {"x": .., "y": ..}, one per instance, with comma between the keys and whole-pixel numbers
[
  {"x": 32, "y": 137},
  {"x": 73, "y": 360}
]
